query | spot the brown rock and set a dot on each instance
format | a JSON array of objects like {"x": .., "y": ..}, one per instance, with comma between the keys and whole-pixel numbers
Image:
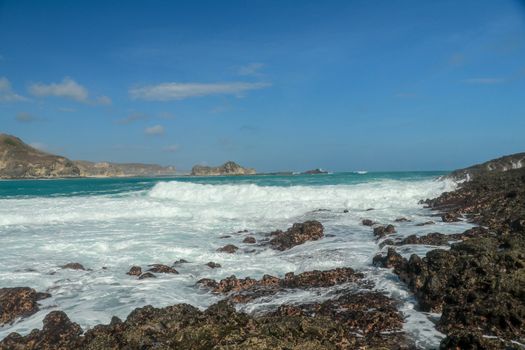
[
  {"x": 367, "y": 222},
  {"x": 18, "y": 302},
  {"x": 73, "y": 266},
  {"x": 299, "y": 233},
  {"x": 229, "y": 248},
  {"x": 249, "y": 240},
  {"x": 159, "y": 268},
  {"x": 213, "y": 265},
  {"x": 382, "y": 231},
  {"x": 134, "y": 271}
]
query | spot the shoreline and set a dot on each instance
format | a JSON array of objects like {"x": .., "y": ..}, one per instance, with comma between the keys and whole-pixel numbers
[{"x": 449, "y": 205}]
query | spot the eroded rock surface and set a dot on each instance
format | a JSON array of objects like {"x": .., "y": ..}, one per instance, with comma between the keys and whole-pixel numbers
[
  {"x": 18, "y": 302},
  {"x": 299, "y": 233}
]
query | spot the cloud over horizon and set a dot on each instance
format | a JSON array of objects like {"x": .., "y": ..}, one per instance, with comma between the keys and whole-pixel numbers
[
  {"x": 179, "y": 91},
  {"x": 6, "y": 92},
  {"x": 67, "y": 88}
]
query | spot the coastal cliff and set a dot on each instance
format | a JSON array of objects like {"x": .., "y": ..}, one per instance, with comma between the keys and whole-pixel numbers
[
  {"x": 502, "y": 164},
  {"x": 228, "y": 168},
  {"x": 106, "y": 169},
  {"x": 19, "y": 160}
]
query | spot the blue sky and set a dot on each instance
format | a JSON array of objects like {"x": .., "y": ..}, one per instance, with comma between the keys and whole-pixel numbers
[{"x": 275, "y": 85}]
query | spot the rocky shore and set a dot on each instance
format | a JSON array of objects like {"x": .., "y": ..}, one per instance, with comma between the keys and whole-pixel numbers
[
  {"x": 478, "y": 285},
  {"x": 475, "y": 281}
]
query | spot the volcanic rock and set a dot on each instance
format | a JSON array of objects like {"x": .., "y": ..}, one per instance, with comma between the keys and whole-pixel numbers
[
  {"x": 299, "y": 233},
  {"x": 159, "y": 268},
  {"x": 229, "y": 248},
  {"x": 18, "y": 302},
  {"x": 134, "y": 271}
]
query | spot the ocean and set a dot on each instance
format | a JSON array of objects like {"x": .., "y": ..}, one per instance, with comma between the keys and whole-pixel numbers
[{"x": 108, "y": 225}]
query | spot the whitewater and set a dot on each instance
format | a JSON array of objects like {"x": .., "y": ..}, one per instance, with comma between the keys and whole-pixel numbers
[{"x": 108, "y": 225}]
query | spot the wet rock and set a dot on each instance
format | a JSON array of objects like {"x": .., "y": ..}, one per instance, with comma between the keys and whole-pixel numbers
[
  {"x": 18, "y": 302},
  {"x": 299, "y": 233},
  {"x": 402, "y": 219},
  {"x": 391, "y": 259},
  {"x": 249, "y": 240},
  {"x": 221, "y": 327},
  {"x": 382, "y": 231},
  {"x": 180, "y": 262},
  {"x": 436, "y": 238},
  {"x": 425, "y": 223},
  {"x": 73, "y": 266},
  {"x": 58, "y": 333},
  {"x": 369, "y": 209},
  {"x": 346, "y": 211},
  {"x": 242, "y": 290},
  {"x": 160, "y": 268},
  {"x": 229, "y": 248},
  {"x": 367, "y": 222},
  {"x": 225, "y": 236},
  {"x": 134, "y": 271},
  {"x": 450, "y": 217},
  {"x": 146, "y": 275},
  {"x": 213, "y": 265}
]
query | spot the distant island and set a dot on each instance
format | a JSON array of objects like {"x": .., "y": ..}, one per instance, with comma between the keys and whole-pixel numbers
[
  {"x": 19, "y": 160},
  {"x": 315, "y": 172},
  {"x": 228, "y": 168}
]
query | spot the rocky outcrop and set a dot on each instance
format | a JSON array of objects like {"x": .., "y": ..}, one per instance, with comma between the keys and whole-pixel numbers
[
  {"x": 479, "y": 284},
  {"x": 107, "y": 169},
  {"x": 18, "y": 302},
  {"x": 19, "y": 160},
  {"x": 315, "y": 172},
  {"x": 242, "y": 290},
  {"x": 299, "y": 233},
  {"x": 352, "y": 321},
  {"x": 502, "y": 164},
  {"x": 228, "y": 168}
]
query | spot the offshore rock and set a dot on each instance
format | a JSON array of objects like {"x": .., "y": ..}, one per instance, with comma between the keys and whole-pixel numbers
[
  {"x": 73, "y": 266},
  {"x": 249, "y": 240},
  {"x": 134, "y": 271},
  {"x": 298, "y": 234},
  {"x": 160, "y": 268},
  {"x": 18, "y": 302},
  {"x": 382, "y": 231},
  {"x": 229, "y": 248},
  {"x": 228, "y": 168}
]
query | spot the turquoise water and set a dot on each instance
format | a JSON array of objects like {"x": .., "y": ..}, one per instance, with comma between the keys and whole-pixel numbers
[{"x": 98, "y": 186}]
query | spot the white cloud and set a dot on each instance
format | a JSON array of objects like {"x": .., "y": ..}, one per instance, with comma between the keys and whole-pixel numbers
[
  {"x": 179, "y": 91},
  {"x": 250, "y": 69},
  {"x": 66, "y": 88},
  {"x": 6, "y": 92},
  {"x": 171, "y": 148},
  {"x": 485, "y": 81},
  {"x": 155, "y": 130},
  {"x": 103, "y": 100}
]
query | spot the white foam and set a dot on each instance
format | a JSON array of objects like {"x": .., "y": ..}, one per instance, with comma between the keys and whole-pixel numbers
[{"x": 180, "y": 220}]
